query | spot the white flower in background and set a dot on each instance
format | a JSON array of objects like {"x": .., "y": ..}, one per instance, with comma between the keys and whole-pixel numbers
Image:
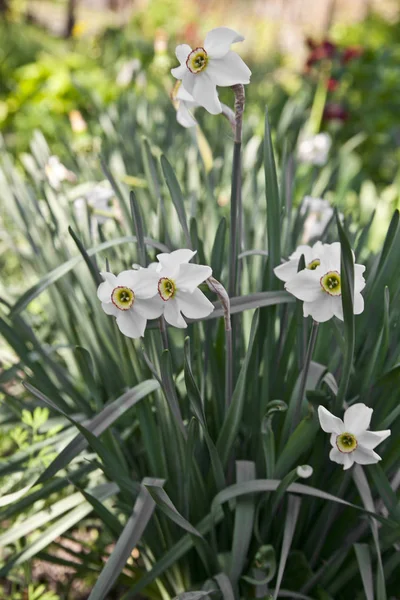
[
  {"x": 321, "y": 290},
  {"x": 176, "y": 283},
  {"x": 304, "y": 471},
  {"x": 319, "y": 212},
  {"x": 212, "y": 64},
  {"x": 314, "y": 149},
  {"x": 127, "y": 71},
  {"x": 98, "y": 201},
  {"x": 312, "y": 256},
  {"x": 126, "y": 297},
  {"x": 350, "y": 439},
  {"x": 56, "y": 172},
  {"x": 184, "y": 104}
]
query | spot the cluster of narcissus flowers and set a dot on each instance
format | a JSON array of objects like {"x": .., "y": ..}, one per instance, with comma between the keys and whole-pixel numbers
[
  {"x": 319, "y": 284},
  {"x": 169, "y": 288},
  {"x": 207, "y": 66},
  {"x": 351, "y": 440}
]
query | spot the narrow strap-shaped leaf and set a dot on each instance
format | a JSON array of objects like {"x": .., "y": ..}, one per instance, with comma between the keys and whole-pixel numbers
[
  {"x": 233, "y": 418},
  {"x": 170, "y": 390},
  {"x": 288, "y": 532},
  {"x": 365, "y": 565},
  {"x": 110, "y": 413},
  {"x": 139, "y": 229},
  {"x": 176, "y": 196},
  {"x": 225, "y": 586},
  {"x": 217, "y": 252},
  {"x": 192, "y": 595},
  {"x": 93, "y": 269},
  {"x": 244, "y": 518},
  {"x": 105, "y": 515},
  {"x": 131, "y": 535},
  {"x": 273, "y": 206}
]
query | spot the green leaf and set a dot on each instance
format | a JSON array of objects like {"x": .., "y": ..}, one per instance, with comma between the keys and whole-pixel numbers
[
  {"x": 131, "y": 535},
  {"x": 138, "y": 222},
  {"x": 217, "y": 252},
  {"x": 365, "y": 565},
  {"x": 176, "y": 197},
  {"x": 292, "y": 514},
  {"x": 110, "y": 413},
  {"x": 93, "y": 269},
  {"x": 273, "y": 206},
  {"x": 244, "y": 519},
  {"x": 233, "y": 419}
]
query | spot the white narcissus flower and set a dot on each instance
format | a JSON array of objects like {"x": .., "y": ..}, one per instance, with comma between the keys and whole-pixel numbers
[
  {"x": 212, "y": 64},
  {"x": 314, "y": 149},
  {"x": 319, "y": 212},
  {"x": 321, "y": 290},
  {"x": 98, "y": 199},
  {"x": 127, "y": 297},
  {"x": 56, "y": 172},
  {"x": 177, "y": 282},
  {"x": 351, "y": 440},
  {"x": 312, "y": 256}
]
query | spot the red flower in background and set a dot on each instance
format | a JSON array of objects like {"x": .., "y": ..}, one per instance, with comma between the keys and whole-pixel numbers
[
  {"x": 332, "y": 84},
  {"x": 334, "y": 111},
  {"x": 351, "y": 53},
  {"x": 324, "y": 50}
]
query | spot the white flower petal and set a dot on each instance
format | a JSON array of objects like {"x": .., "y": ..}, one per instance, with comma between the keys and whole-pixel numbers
[
  {"x": 182, "y": 94},
  {"x": 357, "y": 418},
  {"x": 173, "y": 315},
  {"x": 337, "y": 307},
  {"x": 218, "y": 41},
  {"x": 179, "y": 72},
  {"x": 287, "y": 270},
  {"x": 331, "y": 258},
  {"x": 195, "y": 305},
  {"x": 359, "y": 281},
  {"x": 229, "y": 70},
  {"x": 184, "y": 116},
  {"x": 341, "y": 458},
  {"x": 304, "y": 471},
  {"x": 151, "y": 308},
  {"x": 182, "y": 52},
  {"x": 205, "y": 93},
  {"x": 109, "y": 308},
  {"x": 188, "y": 81},
  {"x": 370, "y": 439},
  {"x": 104, "y": 291},
  {"x": 333, "y": 439},
  {"x": 131, "y": 324},
  {"x": 305, "y": 286},
  {"x": 358, "y": 304},
  {"x": 127, "y": 278},
  {"x": 329, "y": 422},
  {"x": 321, "y": 310},
  {"x": 363, "y": 456},
  {"x": 190, "y": 276},
  {"x": 175, "y": 258}
]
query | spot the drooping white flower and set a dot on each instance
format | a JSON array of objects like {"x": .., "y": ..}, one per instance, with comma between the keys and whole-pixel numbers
[
  {"x": 128, "y": 297},
  {"x": 98, "y": 201},
  {"x": 312, "y": 256},
  {"x": 212, "y": 64},
  {"x": 56, "y": 172},
  {"x": 319, "y": 212},
  {"x": 321, "y": 290},
  {"x": 314, "y": 149},
  {"x": 176, "y": 282},
  {"x": 351, "y": 440},
  {"x": 185, "y": 104}
]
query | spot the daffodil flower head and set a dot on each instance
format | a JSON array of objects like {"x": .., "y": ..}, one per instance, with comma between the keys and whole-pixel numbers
[
  {"x": 312, "y": 256},
  {"x": 129, "y": 298},
  {"x": 314, "y": 149},
  {"x": 351, "y": 440},
  {"x": 176, "y": 282},
  {"x": 320, "y": 288},
  {"x": 203, "y": 68},
  {"x": 318, "y": 213}
]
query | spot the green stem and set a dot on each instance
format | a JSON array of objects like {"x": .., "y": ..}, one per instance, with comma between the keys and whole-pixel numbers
[{"x": 307, "y": 361}]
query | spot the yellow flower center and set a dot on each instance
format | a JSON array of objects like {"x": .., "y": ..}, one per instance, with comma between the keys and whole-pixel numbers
[
  {"x": 197, "y": 60},
  {"x": 166, "y": 288},
  {"x": 122, "y": 297},
  {"x": 330, "y": 283},
  {"x": 314, "y": 264},
  {"x": 346, "y": 442}
]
